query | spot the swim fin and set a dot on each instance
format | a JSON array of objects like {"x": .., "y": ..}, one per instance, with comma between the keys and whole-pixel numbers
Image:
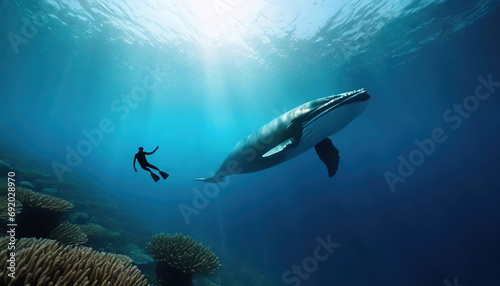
[
  {"x": 164, "y": 175},
  {"x": 155, "y": 177}
]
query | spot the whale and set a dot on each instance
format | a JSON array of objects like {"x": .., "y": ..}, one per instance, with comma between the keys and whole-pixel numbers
[{"x": 293, "y": 133}]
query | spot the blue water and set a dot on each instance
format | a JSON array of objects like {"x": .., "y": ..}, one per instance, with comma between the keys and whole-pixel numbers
[{"x": 194, "y": 77}]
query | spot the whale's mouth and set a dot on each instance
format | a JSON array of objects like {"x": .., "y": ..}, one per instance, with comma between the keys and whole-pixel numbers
[{"x": 350, "y": 97}]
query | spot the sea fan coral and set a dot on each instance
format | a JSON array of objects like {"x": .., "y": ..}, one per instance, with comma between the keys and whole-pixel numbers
[
  {"x": 46, "y": 262},
  {"x": 180, "y": 257},
  {"x": 69, "y": 234}
]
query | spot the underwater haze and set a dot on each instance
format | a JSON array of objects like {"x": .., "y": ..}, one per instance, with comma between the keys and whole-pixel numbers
[{"x": 415, "y": 201}]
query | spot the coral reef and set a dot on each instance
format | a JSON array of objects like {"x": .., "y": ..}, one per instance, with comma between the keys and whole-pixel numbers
[
  {"x": 138, "y": 255},
  {"x": 34, "y": 199},
  {"x": 26, "y": 184},
  {"x": 79, "y": 218},
  {"x": 111, "y": 228},
  {"x": 117, "y": 221},
  {"x": 98, "y": 232},
  {"x": 41, "y": 213},
  {"x": 4, "y": 168},
  {"x": 69, "y": 234},
  {"x": 27, "y": 169},
  {"x": 50, "y": 191},
  {"x": 56, "y": 264},
  {"x": 35, "y": 176},
  {"x": 100, "y": 237},
  {"x": 180, "y": 257},
  {"x": 4, "y": 207}
]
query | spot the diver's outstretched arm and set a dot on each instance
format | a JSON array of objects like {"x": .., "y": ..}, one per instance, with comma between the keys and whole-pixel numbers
[
  {"x": 135, "y": 158},
  {"x": 149, "y": 153}
]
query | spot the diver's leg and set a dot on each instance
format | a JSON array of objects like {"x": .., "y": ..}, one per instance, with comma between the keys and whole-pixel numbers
[
  {"x": 145, "y": 168},
  {"x": 153, "y": 175},
  {"x": 152, "y": 167},
  {"x": 163, "y": 174}
]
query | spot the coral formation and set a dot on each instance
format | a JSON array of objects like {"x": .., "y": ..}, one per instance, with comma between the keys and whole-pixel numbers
[
  {"x": 37, "y": 177},
  {"x": 26, "y": 184},
  {"x": 4, "y": 207},
  {"x": 46, "y": 262},
  {"x": 137, "y": 254},
  {"x": 69, "y": 234},
  {"x": 99, "y": 237},
  {"x": 79, "y": 218},
  {"x": 34, "y": 199},
  {"x": 41, "y": 213},
  {"x": 98, "y": 232},
  {"x": 50, "y": 190},
  {"x": 180, "y": 257}
]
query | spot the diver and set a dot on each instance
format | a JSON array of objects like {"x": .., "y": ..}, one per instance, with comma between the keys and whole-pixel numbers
[{"x": 141, "y": 158}]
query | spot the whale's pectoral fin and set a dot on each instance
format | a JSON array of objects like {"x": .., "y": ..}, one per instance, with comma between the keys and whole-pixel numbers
[
  {"x": 280, "y": 147},
  {"x": 208, "y": 180},
  {"x": 329, "y": 155},
  {"x": 217, "y": 178}
]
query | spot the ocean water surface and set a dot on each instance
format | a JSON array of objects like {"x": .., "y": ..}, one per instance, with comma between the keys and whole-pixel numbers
[{"x": 416, "y": 199}]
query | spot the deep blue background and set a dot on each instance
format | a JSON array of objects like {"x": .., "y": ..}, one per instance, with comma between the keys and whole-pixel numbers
[{"x": 441, "y": 223}]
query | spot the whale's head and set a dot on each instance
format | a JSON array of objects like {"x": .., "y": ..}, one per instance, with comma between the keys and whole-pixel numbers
[{"x": 325, "y": 116}]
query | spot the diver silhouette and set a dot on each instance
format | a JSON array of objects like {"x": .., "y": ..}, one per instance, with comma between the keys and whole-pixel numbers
[{"x": 141, "y": 158}]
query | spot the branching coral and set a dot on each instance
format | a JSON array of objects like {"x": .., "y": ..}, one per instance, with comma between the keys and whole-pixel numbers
[
  {"x": 4, "y": 207},
  {"x": 34, "y": 199},
  {"x": 69, "y": 234},
  {"x": 41, "y": 213},
  {"x": 98, "y": 232},
  {"x": 46, "y": 262},
  {"x": 4, "y": 242},
  {"x": 99, "y": 236},
  {"x": 179, "y": 258}
]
